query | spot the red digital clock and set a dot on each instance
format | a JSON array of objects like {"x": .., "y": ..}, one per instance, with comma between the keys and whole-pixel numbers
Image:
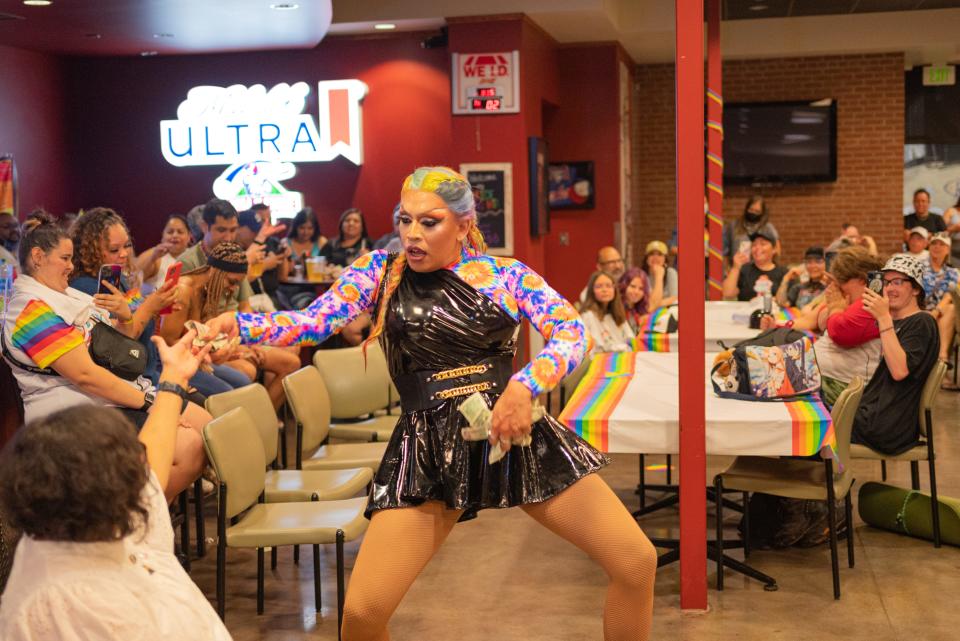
[
  {"x": 487, "y": 92},
  {"x": 486, "y": 104}
]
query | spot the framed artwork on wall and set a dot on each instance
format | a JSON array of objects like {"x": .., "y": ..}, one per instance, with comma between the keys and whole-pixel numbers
[
  {"x": 571, "y": 185},
  {"x": 493, "y": 191},
  {"x": 539, "y": 209}
]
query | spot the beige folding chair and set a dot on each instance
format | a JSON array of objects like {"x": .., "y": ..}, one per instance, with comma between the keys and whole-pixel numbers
[
  {"x": 798, "y": 479},
  {"x": 922, "y": 451},
  {"x": 308, "y": 400},
  {"x": 358, "y": 390},
  {"x": 288, "y": 486},
  {"x": 234, "y": 449}
]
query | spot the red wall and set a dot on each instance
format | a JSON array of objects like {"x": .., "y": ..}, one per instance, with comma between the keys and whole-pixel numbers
[
  {"x": 586, "y": 127},
  {"x": 119, "y": 103},
  {"x": 32, "y": 127}
]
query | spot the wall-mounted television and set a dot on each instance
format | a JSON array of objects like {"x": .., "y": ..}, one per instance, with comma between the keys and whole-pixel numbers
[{"x": 780, "y": 142}]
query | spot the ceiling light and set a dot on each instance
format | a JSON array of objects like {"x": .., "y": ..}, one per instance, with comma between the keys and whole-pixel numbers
[
  {"x": 758, "y": 7},
  {"x": 147, "y": 54},
  {"x": 385, "y": 26},
  {"x": 38, "y": 3},
  {"x": 284, "y": 6},
  {"x": 163, "y": 35},
  {"x": 92, "y": 36}
]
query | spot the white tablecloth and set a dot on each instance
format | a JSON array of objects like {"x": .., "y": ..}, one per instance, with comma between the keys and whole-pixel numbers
[{"x": 619, "y": 412}]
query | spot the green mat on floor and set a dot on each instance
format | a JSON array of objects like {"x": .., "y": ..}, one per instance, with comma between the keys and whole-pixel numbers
[{"x": 908, "y": 512}]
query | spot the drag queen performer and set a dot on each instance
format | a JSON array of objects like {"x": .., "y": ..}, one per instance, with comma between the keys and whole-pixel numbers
[{"x": 447, "y": 314}]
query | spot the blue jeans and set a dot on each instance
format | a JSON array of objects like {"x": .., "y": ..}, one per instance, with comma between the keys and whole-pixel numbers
[{"x": 234, "y": 378}]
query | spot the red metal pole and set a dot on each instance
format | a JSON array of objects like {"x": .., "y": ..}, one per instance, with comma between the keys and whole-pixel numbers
[
  {"x": 715, "y": 148},
  {"x": 690, "y": 179}
]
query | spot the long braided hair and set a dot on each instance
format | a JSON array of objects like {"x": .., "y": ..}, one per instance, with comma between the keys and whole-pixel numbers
[
  {"x": 457, "y": 194},
  {"x": 89, "y": 235},
  {"x": 213, "y": 289}
]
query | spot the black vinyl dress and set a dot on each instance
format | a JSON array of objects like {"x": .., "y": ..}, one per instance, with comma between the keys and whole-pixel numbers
[{"x": 436, "y": 321}]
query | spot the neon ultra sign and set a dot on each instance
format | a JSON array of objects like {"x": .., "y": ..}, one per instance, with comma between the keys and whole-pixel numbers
[{"x": 238, "y": 124}]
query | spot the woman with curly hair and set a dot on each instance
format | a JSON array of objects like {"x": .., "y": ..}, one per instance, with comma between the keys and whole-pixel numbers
[
  {"x": 46, "y": 333},
  {"x": 200, "y": 296},
  {"x": 97, "y": 560},
  {"x": 447, "y": 314}
]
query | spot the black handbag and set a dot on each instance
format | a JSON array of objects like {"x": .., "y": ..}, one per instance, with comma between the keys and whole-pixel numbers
[{"x": 116, "y": 353}]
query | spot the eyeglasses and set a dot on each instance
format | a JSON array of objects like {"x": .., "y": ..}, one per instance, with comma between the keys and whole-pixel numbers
[{"x": 897, "y": 282}]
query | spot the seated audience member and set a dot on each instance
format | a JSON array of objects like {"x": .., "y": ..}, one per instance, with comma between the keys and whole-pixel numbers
[
  {"x": 797, "y": 291},
  {"x": 200, "y": 296},
  {"x": 738, "y": 233},
  {"x": 100, "y": 237},
  {"x": 97, "y": 561},
  {"x": 850, "y": 341},
  {"x": 157, "y": 260},
  {"x": 952, "y": 219},
  {"x": 305, "y": 241},
  {"x": 195, "y": 220},
  {"x": 635, "y": 294},
  {"x": 391, "y": 242},
  {"x": 610, "y": 261},
  {"x": 604, "y": 317},
  {"x": 740, "y": 282},
  {"x": 939, "y": 279},
  {"x": 271, "y": 261},
  {"x": 352, "y": 241},
  {"x": 45, "y": 341},
  {"x": 917, "y": 243},
  {"x": 9, "y": 239},
  {"x": 850, "y": 237},
  {"x": 664, "y": 283},
  {"x": 922, "y": 216},
  {"x": 886, "y": 419}
]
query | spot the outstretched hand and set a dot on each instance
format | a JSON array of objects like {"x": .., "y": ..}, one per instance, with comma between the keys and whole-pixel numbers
[
  {"x": 179, "y": 361},
  {"x": 511, "y": 415}
]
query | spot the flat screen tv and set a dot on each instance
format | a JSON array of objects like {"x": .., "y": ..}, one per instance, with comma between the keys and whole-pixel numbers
[{"x": 780, "y": 142}]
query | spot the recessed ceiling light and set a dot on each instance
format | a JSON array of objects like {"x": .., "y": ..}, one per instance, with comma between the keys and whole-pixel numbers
[
  {"x": 38, "y": 3},
  {"x": 758, "y": 7},
  {"x": 92, "y": 36},
  {"x": 284, "y": 6},
  {"x": 163, "y": 35},
  {"x": 385, "y": 26},
  {"x": 147, "y": 54}
]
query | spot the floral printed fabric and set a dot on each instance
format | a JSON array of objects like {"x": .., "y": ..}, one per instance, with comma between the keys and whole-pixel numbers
[{"x": 513, "y": 286}]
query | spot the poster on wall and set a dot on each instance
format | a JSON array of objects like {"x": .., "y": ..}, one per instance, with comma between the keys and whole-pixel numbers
[
  {"x": 493, "y": 192},
  {"x": 935, "y": 168},
  {"x": 571, "y": 185},
  {"x": 8, "y": 185}
]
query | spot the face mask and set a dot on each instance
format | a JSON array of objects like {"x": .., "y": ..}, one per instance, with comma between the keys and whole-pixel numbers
[{"x": 752, "y": 218}]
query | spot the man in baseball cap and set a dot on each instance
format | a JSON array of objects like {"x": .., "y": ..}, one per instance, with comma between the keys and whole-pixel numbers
[
  {"x": 917, "y": 242},
  {"x": 886, "y": 419}
]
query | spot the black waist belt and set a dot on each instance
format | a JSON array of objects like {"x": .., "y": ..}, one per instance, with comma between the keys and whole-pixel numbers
[{"x": 428, "y": 388}]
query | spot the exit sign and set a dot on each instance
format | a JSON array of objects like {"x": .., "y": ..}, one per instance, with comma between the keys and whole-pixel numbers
[{"x": 939, "y": 75}]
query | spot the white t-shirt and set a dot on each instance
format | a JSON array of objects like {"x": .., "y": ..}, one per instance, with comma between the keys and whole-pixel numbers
[
  {"x": 607, "y": 335},
  {"x": 128, "y": 590}
]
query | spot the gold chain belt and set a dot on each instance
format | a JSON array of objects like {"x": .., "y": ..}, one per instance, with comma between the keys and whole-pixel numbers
[
  {"x": 459, "y": 371},
  {"x": 465, "y": 389}
]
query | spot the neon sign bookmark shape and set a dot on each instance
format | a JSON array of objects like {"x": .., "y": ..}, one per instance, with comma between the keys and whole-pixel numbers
[{"x": 237, "y": 124}]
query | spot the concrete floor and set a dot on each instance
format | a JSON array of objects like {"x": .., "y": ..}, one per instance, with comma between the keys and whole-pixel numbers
[{"x": 503, "y": 577}]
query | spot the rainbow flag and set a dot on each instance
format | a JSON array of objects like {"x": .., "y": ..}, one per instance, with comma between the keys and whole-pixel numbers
[
  {"x": 7, "y": 200},
  {"x": 651, "y": 342},
  {"x": 812, "y": 426},
  {"x": 134, "y": 299},
  {"x": 597, "y": 396},
  {"x": 42, "y": 335}
]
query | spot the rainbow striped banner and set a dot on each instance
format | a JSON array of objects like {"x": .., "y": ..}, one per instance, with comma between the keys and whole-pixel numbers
[
  {"x": 651, "y": 342},
  {"x": 597, "y": 396},
  {"x": 812, "y": 427}
]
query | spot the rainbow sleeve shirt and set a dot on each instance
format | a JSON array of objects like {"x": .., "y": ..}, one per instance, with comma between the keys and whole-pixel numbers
[
  {"x": 516, "y": 288},
  {"x": 43, "y": 335}
]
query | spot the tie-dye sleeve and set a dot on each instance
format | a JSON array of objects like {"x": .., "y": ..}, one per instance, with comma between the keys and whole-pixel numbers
[
  {"x": 351, "y": 295},
  {"x": 554, "y": 318}
]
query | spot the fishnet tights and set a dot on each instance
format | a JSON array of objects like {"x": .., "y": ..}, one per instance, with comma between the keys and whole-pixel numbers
[{"x": 400, "y": 542}]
